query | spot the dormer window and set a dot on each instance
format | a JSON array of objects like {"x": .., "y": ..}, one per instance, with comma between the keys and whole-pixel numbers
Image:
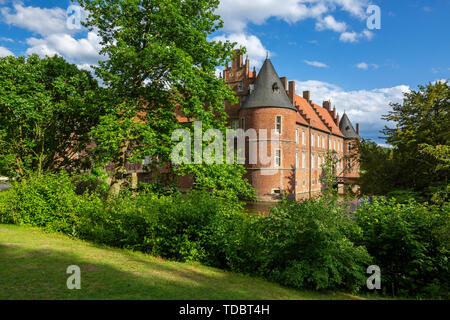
[{"x": 275, "y": 88}]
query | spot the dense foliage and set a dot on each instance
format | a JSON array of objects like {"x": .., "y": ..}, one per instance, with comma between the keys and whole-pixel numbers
[
  {"x": 159, "y": 64},
  {"x": 418, "y": 163},
  {"x": 411, "y": 244},
  {"x": 302, "y": 245},
  {"x": 47, "y": 109}
]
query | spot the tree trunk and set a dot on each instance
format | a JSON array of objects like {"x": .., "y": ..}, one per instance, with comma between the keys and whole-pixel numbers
[{"x": 119, "y": 171}]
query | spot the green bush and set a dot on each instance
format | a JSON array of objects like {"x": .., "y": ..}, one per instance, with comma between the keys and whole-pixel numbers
[
  {"x": 49, "y": 202},
  {"x": 302, "y": 245},
  {"x": 410, "y": 243}
]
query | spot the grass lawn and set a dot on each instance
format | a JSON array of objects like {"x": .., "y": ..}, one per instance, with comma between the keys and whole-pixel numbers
[{"x": 33, "y": 266}]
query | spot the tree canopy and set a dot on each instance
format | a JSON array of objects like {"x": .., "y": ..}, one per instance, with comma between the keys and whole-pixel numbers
[{"x": 47, "y": 109}]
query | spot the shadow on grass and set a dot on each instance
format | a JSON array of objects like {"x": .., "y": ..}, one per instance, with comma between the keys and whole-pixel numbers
[{"x": 41, "y": 274}]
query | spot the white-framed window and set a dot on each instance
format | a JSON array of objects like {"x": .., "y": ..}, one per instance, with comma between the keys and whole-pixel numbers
[
  {"x": 278, "y": 124},
  {"x": 319, "y": 161},
  {"x": 335, "y": 147},
  {"x": 303, "y": 159},
  {"x": 296, "y": 135},
  {"x": 304, "y": 137},
  {"x": 278, "y": 158},
  {"x": 323, "y": 142},
  {"x": 312, "y": 160},
  {"x": 235, "y": 124},
  {"x": 243, "y": 123},
  {"x": 296, "y": 159},
  {"x": 329, "y": 143},
  {"x": 312, "y": 139}
]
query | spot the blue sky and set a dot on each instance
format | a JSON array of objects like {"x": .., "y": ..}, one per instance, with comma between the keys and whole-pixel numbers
[{"x": 324, "y": 45}]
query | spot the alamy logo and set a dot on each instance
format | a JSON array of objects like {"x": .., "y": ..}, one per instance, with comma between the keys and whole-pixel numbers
[
  {"x": 74, "y": 281},
  {"x": 374, "y": 20},
  {"x": 235, "y": 147},
  {"x": 73, "y": 21},
  {"x": 374, "y": 281}
]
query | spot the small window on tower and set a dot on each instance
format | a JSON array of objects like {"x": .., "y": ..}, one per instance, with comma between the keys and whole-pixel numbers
[
  {"x": 240, "y": 86},
  {"x": 278, "y": 125},
  {"x": 275, "y": 88}
]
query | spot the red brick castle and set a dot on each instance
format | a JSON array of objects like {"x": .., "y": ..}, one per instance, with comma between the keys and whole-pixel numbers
[{"x": 305, "y": 131}]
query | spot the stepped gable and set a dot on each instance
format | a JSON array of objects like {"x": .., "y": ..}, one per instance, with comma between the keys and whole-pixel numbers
[
  {"x": 268, "y": 90},
  {"x": 325, "y": 116},
  {"x": 308, "y": 112},
  {"x": 347, "y": 129}
]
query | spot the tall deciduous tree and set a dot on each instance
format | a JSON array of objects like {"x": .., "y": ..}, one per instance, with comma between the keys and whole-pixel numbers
[
  {"x": 422, "y": 118},
  {"x": 47, "y": 109},
  {"x": 158, "y": 63}
]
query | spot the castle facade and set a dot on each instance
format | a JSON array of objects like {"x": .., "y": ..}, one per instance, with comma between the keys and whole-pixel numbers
[{"x": 305, "y": 133}]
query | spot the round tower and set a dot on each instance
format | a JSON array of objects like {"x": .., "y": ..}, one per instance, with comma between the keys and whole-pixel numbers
[{"x": 269, "y": 111}]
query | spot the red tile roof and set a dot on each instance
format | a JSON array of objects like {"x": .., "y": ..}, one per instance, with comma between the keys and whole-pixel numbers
[
  {"x": 325, "y": 116},
  {"x": 308, "y": 112}
]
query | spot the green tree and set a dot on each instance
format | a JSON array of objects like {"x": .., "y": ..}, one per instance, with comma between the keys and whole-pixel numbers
[
  {"x": 158, "y": 64},
  {"x": 422, "y": 118},
  {"x": 47, "y": 109}
]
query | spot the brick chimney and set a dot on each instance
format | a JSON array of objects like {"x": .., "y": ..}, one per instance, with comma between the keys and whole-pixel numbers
[
  {"x": 327, "y": 105},
  {"x": 307, "y": 95},
  {"x": 291, "y": 91},
  {"x": 284, "y": 82},
  {"x": 357, "y": 128}
]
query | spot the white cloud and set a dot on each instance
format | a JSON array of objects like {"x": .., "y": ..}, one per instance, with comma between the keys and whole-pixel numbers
[
  {"x": 81, "y": 51},
  {"x": 255, "y": 49},
  {"x": 4, "y": 39},
  {"x": 238, "y": 13},
  {"x": 362, "y": 65},
  {"x": 316, "y": 64},
  {"x": 355, "y": 37},
  {"x": 38, "y": 20},
  {"x": 329, "y": 23},
  {"x": 362, "y": 106},
  {"x": 5, "y": 52},
  {"x": 366, "y": 66}
]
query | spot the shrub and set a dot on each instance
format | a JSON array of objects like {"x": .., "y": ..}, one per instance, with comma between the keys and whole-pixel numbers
[
  {"x": 410, "y": 243},
  {"x": 302, "y": 245},
  {"x": 48, "y": 201}
]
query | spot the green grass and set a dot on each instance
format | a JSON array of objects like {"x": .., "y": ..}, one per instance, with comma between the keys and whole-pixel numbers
[{"x": 33, "y": 266}]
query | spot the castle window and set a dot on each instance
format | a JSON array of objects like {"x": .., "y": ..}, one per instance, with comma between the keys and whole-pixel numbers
[
  {"x": 278, "y": 125},
  {"x": 275, "y": 88},
  {"x": 312, "y": 160},
  {"x": 240, "y": 86},
  {"x": 296, "y": 135},
  {"x": 304, "y": 137},
  {"x": 296, "y": 159},
  {"x": 278, "y": 158},
  {"x": 323, "y": 142},
  {"x": 349, "y": 147},
  {"x": 303, "y": 159},
  {"x": 312, "y": 139},
  {"x": 235, "y": 124},
  {"x": 349, "y": 164},
  {"x": 276, "y": 191}
]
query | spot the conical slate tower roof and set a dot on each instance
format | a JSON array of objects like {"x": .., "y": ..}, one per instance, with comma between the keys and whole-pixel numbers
[
  {"x": 346, "y": 128},
  {"x": 268, "y": 90}
]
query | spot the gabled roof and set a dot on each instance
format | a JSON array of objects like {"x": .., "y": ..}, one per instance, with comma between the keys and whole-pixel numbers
[
  {"x": 328, "y": 119},
  {"x": 308, "y": 112},
  {"x": 268, "y": 90},
  {"x": 346, "y": 128}
]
